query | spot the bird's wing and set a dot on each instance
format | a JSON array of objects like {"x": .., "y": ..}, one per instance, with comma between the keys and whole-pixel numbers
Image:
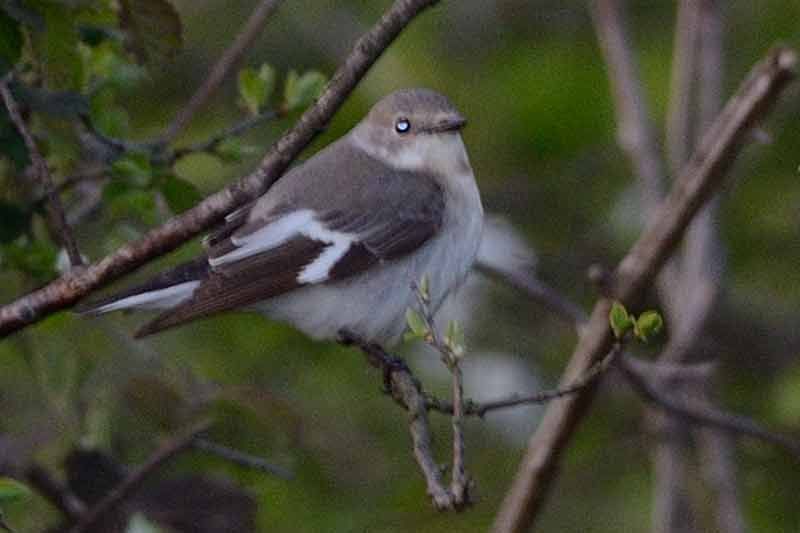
[{"x": 313, "y": 236}]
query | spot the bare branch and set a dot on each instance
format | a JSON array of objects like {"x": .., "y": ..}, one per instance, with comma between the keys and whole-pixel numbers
[
  {"x": 68, "y": 289},
  {"x": 537, "y": 290},
  {"x": 226, "y": 63},
  {"x": 164, "y": 454},
  {"x": 473, "y": 408},
  {"x": 635, "y": 272},
  {"x": 54, "y": 492},
  {"x": 240, "y": 458},
  {"x": 406, "y": 391},
  {"x": 704, "y": 415},
  {"x": 55, "y": 210}
]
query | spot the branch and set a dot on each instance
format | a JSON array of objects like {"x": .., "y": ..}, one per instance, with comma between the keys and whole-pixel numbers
[
  {"x": 240, "y": 458},
  {"x": 703, "y": 415},
  {"x": 68, "y": 289},
  {"x": 55, "y": 211},
  {"x": 227, "y": 62},
  {"x": 635, "y": 273},
  {"x": 130, "y": 484},
  {"x": 473, "y": 408},
  {"x": 405, "y": 390},
  {"x": 538, "y": 291},
  {"x": 53, "y": 491}
]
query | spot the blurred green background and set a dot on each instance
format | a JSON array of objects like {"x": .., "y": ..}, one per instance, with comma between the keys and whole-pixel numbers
[{"x": 531, "y": 80}]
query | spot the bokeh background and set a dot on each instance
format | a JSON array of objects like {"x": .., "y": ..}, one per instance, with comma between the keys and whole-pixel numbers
[{"x": 531, "y": 80}]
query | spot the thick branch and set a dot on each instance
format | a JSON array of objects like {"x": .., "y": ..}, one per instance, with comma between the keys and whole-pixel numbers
[
  {"x": 129, "y": 485},
  {"x": 634, "y": 274},
  {"x": 55, "y": 211},
  {"x": 226, "y": 63},
  {"x": 67, "y": 290}
]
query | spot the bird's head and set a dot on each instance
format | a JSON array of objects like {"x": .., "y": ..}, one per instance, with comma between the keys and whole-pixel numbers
[{"x": 415, "y": 129}]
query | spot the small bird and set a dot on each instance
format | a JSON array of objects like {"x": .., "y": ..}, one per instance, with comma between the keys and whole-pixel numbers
[{"x": 337, "y": 243}]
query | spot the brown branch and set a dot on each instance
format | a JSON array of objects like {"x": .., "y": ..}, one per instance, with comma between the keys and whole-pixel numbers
[
  {"x": 704, "y": 415},
  {"x": 538, "y": 291},
  {"x": 240, "y": 458},
  {"x": 68, "y": 289},
  {"x": 473, "y": 408},
  {"x": 130, "y": 484},
  {"x": 406, "y": 391},
  {"x": 55, "y": 211},
  {"x": 635, "y": 133},
  {"x": 226, "y": 63},
  {"x": 635, "y": 273},
  {"x": 55, "y": 492}
]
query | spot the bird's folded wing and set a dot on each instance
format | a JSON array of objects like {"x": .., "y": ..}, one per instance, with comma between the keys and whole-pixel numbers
[{"x": 306, "y": 241}]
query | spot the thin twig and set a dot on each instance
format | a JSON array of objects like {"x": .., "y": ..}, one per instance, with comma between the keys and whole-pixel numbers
[
  {"x": 226, "y": 63},
  {"x": 55, "y": 210},
  {"x": 543, "y": 294},
  {"x": 240, "y": 458},
  {"x": 405, "y": 390},
  {"x": 130, "y": 484},
  {"x": 71, "y": 287},
  {"x": 55, "y": 492},
  {"x": 635, "y": 273},
  {"x": 451, "y": 355},
  {"x": 704, "y": 415},
  {"x": 479, "y": 409},
  {"x": 210, "y": 144}
]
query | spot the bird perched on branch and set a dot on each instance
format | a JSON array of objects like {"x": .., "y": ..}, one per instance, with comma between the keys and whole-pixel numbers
[{"x": 337, "y": 243}]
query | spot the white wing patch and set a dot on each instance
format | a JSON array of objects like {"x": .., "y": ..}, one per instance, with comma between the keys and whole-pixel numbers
[
  {"x": 270, "y": 236},
  {"x": 339, "y": 243},
  {"x": 280, "y": 230},
  {"x": 159, "y": 299}
]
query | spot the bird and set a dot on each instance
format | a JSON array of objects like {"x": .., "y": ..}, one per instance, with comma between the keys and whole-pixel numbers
[{"x": 336, "y": 245}]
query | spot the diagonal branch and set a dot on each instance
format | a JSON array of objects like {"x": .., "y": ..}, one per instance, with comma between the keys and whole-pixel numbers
[
  {"x": 226, "y": 63},
  {"x": 68, "y": 289},
  {"x": 635, "y": 273},
  {"x": 130, "y": 484},
  {"x": 55, "y": 211}
]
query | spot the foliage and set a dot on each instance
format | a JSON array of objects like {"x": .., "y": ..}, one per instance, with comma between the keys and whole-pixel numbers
[{"x": 100, "y": 80}]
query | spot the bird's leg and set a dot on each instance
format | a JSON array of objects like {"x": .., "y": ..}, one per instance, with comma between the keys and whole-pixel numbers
[{"x": 378, "y": 357}]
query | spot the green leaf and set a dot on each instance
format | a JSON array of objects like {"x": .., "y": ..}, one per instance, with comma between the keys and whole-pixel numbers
[
  {"x": 179, "y": 194},
  {"x": 35, "y": 258},
  {"x": 140, "y": 524},
  {"x": 232, "y": 150},
  {"x": 134, "y": 168},
  {"x": 256, "y": 87},
  {"x": 619, "y": 320},
  {"x": 10, "y": 42},
  {"x": 56, "y": 48},
  {"x": 424, "y": 289},
  {"x": 107, "y": 116},
  {"x": 154, "y": 29},
  {"x": 12, "y": 490},
  {"x": 454, "y": 338},
  {"x": 648, "y": 325},
  {"x": 416, "y": 324},
  {"x": 123, "y": 201},
  {"x": 14, "y": 221},
  {"x": 301, "y": 91}
]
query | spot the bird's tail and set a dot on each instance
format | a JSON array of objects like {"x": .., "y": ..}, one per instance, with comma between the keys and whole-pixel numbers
[{"x": 163, "y": 291}]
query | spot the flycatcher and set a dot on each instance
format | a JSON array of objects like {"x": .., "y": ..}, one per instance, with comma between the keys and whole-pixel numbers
[{"x": 336, "y": 244}]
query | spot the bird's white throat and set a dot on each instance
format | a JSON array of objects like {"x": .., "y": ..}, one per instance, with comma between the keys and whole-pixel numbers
[{"x": 442, "y": 153}]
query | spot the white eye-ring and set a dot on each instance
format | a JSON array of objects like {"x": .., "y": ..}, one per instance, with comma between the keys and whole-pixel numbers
[{"x": 402, "y": 125}]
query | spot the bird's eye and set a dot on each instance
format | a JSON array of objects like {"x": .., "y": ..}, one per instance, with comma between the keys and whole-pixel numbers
[{"x": 402, "y": 125}]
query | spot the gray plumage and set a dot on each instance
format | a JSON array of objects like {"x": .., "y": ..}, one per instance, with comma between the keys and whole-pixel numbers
[{"x": 338, "y": 241}]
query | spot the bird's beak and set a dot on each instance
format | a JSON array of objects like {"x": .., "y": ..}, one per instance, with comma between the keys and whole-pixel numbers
[{"x": 451, "y": 123}]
